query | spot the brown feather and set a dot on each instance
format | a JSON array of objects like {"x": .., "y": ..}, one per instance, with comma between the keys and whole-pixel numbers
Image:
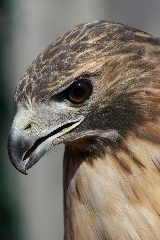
[
  {"x": 116, "y": 196},
  {"x": 111, "y": 183}
]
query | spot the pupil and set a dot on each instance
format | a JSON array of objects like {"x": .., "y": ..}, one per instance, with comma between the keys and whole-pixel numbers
[{"x": 78, "y": 91}]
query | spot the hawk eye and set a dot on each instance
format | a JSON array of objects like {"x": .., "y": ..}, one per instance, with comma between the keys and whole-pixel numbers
[{"x": 79, "y": 91}]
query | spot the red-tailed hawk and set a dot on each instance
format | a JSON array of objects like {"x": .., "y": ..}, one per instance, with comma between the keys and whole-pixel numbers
[{"x": 97, "y": 90}]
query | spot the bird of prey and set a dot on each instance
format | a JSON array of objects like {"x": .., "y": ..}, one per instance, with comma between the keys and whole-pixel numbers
[{"x": 97, "y": 90}]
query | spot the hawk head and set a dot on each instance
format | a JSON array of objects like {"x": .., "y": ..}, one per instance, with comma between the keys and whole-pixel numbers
[{"x": 96, "y": 83}]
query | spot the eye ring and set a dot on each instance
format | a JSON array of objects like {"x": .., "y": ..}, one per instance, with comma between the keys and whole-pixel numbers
[{"x": 79, "y": 91}]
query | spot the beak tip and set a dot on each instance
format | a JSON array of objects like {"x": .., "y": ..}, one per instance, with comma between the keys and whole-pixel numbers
[
  {"x": 23, "y": 170},
  {"x": 20, "y": 167}
]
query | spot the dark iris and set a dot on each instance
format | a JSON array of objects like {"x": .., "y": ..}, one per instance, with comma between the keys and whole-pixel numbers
[{"x": 79, "y": 91}]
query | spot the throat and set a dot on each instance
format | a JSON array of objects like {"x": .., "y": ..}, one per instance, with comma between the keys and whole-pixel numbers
[{"x": 114, "y": 196}]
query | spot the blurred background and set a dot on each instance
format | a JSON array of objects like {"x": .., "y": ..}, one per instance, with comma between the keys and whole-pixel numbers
[{"x": 31, "y": 207}]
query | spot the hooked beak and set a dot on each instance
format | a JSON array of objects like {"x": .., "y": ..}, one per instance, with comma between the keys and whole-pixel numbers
[
  {"x": 25, "y": 151},
  {"x": 18, "y": 145}
]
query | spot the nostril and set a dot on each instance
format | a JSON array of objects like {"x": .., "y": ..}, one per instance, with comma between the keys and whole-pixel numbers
[{"x": 28, "y": 127}]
